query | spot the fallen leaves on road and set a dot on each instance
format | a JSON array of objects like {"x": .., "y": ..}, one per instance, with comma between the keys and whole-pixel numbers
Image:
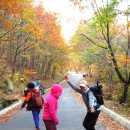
[
  {"x": 107, "y": 121},
  {"x": 8, "y": 115}
]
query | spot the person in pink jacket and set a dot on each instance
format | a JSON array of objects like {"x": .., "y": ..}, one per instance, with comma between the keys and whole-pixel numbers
[{"x": 50, "y": 107}]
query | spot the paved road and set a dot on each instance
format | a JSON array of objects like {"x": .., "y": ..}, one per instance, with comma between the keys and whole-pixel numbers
[{"x": 71, "y": 114}]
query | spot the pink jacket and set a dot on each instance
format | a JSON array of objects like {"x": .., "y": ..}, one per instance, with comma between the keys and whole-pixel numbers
[{"x": 51, "y": 104}]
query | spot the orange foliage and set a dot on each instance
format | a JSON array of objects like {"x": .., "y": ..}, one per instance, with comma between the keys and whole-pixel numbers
[
  {"x": 51, "y": 31},
  {"x": 10, "y": 9},
  {"x": 6, "y": 23},
  {"x": 43, "y": 27},
  {"x": 11, "y": 6},
  {"x": 124, "y": 59},
  {"x": 30, "y": 72},
  {"x": 35, "y": 30}
]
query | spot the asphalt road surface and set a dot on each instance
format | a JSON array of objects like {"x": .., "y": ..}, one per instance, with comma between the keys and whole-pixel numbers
[{"x": 71, "y": 114}]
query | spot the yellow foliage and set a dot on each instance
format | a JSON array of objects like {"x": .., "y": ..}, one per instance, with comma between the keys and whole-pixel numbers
[
  {"x": 35, "y": 30},
  {"x": 30, "y": 72}
]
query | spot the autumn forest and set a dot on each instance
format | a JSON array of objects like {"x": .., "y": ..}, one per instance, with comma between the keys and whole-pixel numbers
[{"x": 32, "y": 46}]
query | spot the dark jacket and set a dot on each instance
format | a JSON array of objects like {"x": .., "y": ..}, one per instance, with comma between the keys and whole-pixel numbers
[
  {"x": 30, "y": 102},
  {"x": 87, "y": 96}
]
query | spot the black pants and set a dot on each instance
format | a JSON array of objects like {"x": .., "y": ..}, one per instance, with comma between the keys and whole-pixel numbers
[{"x": 90, "y": 120}]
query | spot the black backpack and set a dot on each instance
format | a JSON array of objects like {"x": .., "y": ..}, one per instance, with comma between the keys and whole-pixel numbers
[{"x": 98, "y": 93}]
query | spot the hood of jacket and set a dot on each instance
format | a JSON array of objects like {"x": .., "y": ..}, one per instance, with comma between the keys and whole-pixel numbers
[{"x": 56, "y": 90}]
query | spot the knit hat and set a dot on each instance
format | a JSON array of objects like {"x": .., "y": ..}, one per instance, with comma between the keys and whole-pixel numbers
[{"x": 30, "y": 85}]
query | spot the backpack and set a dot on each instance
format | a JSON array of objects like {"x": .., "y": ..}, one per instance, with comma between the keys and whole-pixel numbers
[
  {"x": 38, "y": 85},
  {"x": 98, "y": 93},
  {"x": 36, "y": 99}
]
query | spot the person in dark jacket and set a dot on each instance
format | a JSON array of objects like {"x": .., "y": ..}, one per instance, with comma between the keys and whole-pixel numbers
[
  {"x": 93, "y": 108},
  {"x": 31, "y": 105}
]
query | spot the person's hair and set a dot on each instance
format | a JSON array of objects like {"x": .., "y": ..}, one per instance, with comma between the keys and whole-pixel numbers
[
  {"x": 84, "y": 75},
  {"x": 30, "y": 85}
]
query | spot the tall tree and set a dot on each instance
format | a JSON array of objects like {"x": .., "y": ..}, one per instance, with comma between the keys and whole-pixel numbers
[{"x": 104, "y": 34}]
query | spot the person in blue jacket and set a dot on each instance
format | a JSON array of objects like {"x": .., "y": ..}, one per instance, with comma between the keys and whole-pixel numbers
[{"x": 93, "y": 108}]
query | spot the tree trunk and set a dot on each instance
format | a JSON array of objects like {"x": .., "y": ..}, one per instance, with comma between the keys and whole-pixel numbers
[
  {"x": 21, "y": 73},
  {"x": 42, "y": 70},
  {"x": 124, "y": 96},
  {"x": 54, "y": 72},
  {"x": 13, "y": 66},
  {"x": 48, "y": 70}
]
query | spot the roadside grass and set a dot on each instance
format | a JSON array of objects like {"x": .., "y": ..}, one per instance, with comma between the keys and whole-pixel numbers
[{"x": 6, "y": 102}]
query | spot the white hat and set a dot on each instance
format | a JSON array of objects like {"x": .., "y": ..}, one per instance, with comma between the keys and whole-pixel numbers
[
  {"x": 82, "y": 85},
  {"x": 84, "y": 82}
]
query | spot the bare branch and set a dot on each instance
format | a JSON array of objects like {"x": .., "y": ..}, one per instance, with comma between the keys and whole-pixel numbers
[
  {"x": 123, "y": 35},
  {"x": 8, "y": 32},
  {"x": 23, "y": 42},
  {"x": 2, "y": 52},
  {"x": 2, "y": 73},
  {"x": 100, "y": 15},
  {"x": 91, "y": 40},
  {"x": 26, "y": 48}
]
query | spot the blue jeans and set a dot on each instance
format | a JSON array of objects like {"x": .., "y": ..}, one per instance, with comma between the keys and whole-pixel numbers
[{"x": 36, "y": 117}]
